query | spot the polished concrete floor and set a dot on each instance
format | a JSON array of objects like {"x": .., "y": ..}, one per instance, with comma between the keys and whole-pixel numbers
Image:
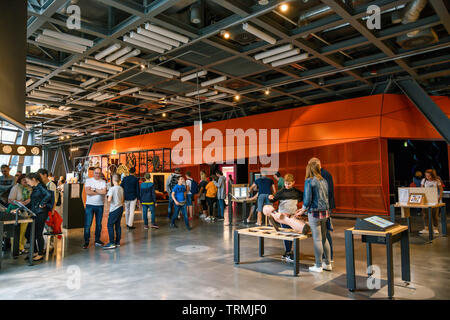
[{"x": 177, "y": 264}]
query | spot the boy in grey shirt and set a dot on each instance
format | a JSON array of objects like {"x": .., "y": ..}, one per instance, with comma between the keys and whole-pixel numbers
[{"x": 116, "y": 199}]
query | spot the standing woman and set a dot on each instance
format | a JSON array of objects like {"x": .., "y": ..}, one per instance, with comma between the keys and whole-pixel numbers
[
  {"x": 202, "y": 195},
  {"x": 315, "y": 203},
  {"x": 211, "y": 193},
  {"x": 432, "y": 181},
  {"x": 40, "y": 204}
]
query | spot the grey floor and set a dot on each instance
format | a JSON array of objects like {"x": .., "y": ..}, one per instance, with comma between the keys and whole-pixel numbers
[{"x": 177, "y": 264}]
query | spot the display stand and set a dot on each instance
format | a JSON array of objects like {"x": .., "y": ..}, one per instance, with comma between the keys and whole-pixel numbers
[
  {"x": 388, "y": 238},
  {"x": 73, "y": 207},
  {"x": 429, "y": 201},
  {"x": 271, "y": 233}
]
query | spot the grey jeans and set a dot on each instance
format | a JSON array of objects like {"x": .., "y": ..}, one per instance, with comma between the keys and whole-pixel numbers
[{"x": 319, "y": 234}]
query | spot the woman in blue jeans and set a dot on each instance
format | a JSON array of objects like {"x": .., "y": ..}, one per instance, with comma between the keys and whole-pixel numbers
[
  {"x": 148, "y": 200},
  {"x": 315, "y": 203}
]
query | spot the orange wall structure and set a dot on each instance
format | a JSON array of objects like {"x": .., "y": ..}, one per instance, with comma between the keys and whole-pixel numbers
[{"x": 349, "y": 136}]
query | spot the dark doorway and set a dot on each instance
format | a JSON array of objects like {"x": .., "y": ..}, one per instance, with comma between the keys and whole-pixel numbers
[{"x": 408, "y": 156}]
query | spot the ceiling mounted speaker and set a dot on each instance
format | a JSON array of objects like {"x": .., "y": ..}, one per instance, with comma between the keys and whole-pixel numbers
[{"x": 196, "y": 14}]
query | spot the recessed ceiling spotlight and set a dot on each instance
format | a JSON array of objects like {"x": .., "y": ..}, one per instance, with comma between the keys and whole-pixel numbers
[
  {"x": 225, "y": 34},
  {"x": 164, "y": 115},
  {"x": 284, "y": 7},
  {"x": 267, "y": 92},
  {"x": 142, "y": 66},
  {"x": 263, "y": 2},
  {"x": 237, "y": 97}
]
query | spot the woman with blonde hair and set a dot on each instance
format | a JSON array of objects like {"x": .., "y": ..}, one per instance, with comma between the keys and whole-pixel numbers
[{"x": 315, "y": 203}]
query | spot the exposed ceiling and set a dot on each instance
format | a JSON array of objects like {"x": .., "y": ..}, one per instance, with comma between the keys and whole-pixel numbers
[{"x": 336, "y": 57}]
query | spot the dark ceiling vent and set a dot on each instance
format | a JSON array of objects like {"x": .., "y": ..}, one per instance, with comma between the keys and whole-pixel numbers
[
  {"x": 424, "y": 37},
  {"x": 244, "y": 38}
]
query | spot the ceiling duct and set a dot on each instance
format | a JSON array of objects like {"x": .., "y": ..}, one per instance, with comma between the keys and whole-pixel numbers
[
  {"x": 417, "y": 37},
  {"x": 314, "y": 14}
]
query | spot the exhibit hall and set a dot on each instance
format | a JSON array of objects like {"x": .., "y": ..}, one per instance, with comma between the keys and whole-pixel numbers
[{"x": 224, "y": 159}]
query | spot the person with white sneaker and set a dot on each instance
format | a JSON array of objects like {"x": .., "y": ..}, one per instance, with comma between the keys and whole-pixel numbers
[
  {"x": 315, "y": 203},
  {"x": 431, "y": 181}
]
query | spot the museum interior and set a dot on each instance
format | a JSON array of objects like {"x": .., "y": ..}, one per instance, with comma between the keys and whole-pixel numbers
[{"x": 224, "y": 149}]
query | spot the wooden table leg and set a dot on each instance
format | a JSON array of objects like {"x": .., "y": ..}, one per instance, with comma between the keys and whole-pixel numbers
[
  {"x": 404, "y": 241},
  {"x": 32, "y": 242},
  {"x": 236, "y": 247},
  {"x": 444, "y": 220},
  {"x": 430, "y": 225},
  {"x": 296, "y": 256},
  {"x": 390, "y": 265},
  {"x": 350, "y": 260},
  {"x": 369, "y": 258},
  {"x": 261, "y": 246}
]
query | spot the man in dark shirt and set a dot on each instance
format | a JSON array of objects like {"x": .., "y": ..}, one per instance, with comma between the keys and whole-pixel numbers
[
  {"x": 130, "y": 185},
  {"x": 332, "y": 205},
  {"x": 266, "y": 187}
]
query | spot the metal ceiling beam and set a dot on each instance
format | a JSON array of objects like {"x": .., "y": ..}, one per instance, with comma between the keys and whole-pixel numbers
[
  {"x": 441, "y": 10},
  {"x": 49, "y": 10},
  {"x": 426, "y": 106}
]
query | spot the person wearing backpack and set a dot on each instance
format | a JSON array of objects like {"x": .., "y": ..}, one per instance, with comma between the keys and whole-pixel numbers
[
  {"x": 171, "y": 182},
  {"x": 148, "y": 201},
  {"x": 192, "y": 190},
  {"x": 221, "y": 193}
]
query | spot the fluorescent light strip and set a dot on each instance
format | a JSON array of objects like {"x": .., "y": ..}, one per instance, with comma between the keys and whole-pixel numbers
[
  {"x": 143, "y": 44},
  {"x": 94, "y": 95},
  {"x": 128, "y": 91},
  {"x": 29, "y": 82},
  {"x": 61, "y": 44},
  {"x": 104, "y": 65},
  {"x": 90, "y": 72},
  {"x": 62, "y": 86},
  {"x": 90, "y": 66},
  {"x": 38, "y": 92},
  {"x": 167, "y": 33},
  {"x": 84, "y": 103},
  {"x": 133, "y": 53},
  {"x": 68, "y": 37},
  {"x": 106, "y": 86},
  {"x": 211, "y": 93},
  {"x": 223, "y": 89},
  {"x": 184, "y": 99},
  {"x": 36, "y": 96},
  {"x": 88, "y": 82},
  {"x": 281, "y": 56},
  {"x": 259, "y": 33},
  {"x": 178, "y": 103},
  {"x": 159, "y": 73},
  {"x": 166, "y": 70},
  {"x": 38, "y": 69},
  {"x": 118, "y": 54},
  {"x": 225, "y": 102},
  {"x": 64, "y": 93},
  {"x": 140, "y": 96},
  {"x": 149, "y": 41},
  {"x": 158, "y": 37},
  {"x": 218, "y": 96},
  {"x": 196, "y": 93},
  {"x": 35, "y": 73},
  {"x": 194, "y": 75},
  {"x": 152, "y": 94},
  {"x": 299, "y": 57},
  {"x": 213, "y": 81},
  {"x": 272, "y": 52},
  {"x": 107, "y": 51}
]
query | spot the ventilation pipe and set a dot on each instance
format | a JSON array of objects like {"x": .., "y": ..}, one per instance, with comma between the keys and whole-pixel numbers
[{"x": 412, "y": 13}]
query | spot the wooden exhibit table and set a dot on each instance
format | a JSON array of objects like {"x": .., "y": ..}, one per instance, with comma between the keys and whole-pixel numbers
[
  {"x": 270, "y": 233},
  {"x": 388, "y": 238},
  {"x": 244, "y": 206},
  {"x": 405, "y": 213},
  {"x": 16, "y": 236}
]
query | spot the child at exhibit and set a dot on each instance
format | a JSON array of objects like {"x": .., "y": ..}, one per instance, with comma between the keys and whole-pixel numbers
[
  {"x": 211, "y": 193},
  {"x": 432, "y": 181},
  {"x": 116, "y": 200},
  {"x": 288, "y": 198},
  {"x": 179, "y": 197}
]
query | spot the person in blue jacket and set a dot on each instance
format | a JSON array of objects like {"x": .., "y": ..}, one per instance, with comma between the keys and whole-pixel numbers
[
  {"x": 130, "y": 185},
  {"x": 148, "y": 201}
]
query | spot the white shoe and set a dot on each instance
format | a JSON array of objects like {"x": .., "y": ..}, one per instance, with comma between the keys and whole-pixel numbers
[
  {"x": 435, "y": 231},
  {"x": 423, "y": 231},
  {"x": 327, "y": 267},
  {"x": 315, "y": 269},
  {"x": 208, "y": 219},
  {"x": 202, "y": 216}
]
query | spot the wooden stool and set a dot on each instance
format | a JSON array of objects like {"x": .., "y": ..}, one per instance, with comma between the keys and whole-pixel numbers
[{"x": 49, "y": 238}]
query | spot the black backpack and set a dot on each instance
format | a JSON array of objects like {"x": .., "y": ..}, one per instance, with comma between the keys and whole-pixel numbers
[
  {"x": 194, "y": 186},
  {"x": 173, "y": 181}
]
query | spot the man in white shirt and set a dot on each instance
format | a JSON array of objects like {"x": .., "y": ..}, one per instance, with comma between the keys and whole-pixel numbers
[{"x": 95, "y": 197}]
